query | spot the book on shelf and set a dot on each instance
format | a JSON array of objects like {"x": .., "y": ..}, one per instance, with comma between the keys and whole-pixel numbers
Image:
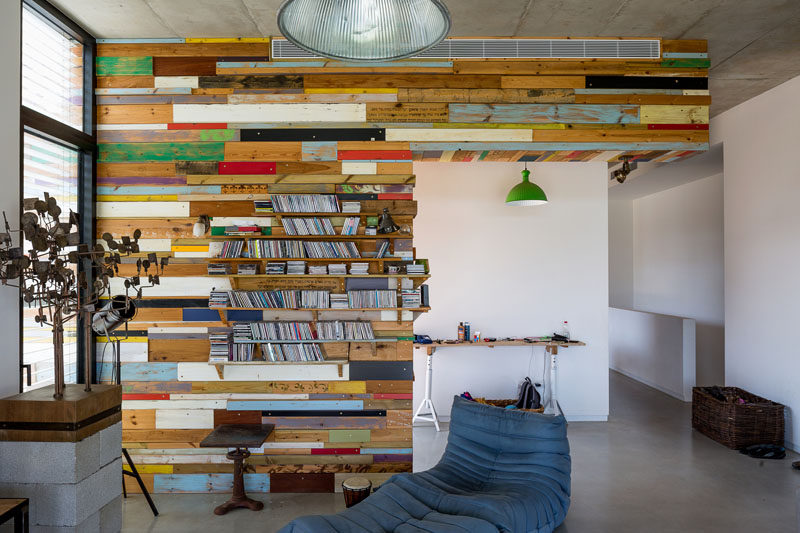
[
  {"x": 295, "y": 267},
  {"x": 263, "y": 206},
  {"x": 218, "y": 269},
  {"x": 247, "y": 269},
  {"x": 415, "y": 269},
  {"x": 351, "y": 207},
  {"x": 372, "y": 299},
  {"x": 268, "y": 249},
  {"x": 219, "y": 299},
  {"x": 275, "y": 268},
  {"x": 350, "y": 226},
  {"x": 305, "y": 203}
]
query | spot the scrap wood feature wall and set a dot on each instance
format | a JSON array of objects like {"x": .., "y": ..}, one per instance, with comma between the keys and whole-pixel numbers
[{"x": 208, "y": 126}]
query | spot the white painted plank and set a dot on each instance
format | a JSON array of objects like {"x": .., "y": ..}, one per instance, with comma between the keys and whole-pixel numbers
[
  {"x": 239, "y": 396},
  {"x": 190, "y": 254},
  {"x": 284, "y": 372},
  {"x": 177, "y": 330},
  {"x": 606, "y": 156},
  {"x": 176, "y": 81},
  {"x": 177, "y": 451},
  {"x": 130, "y": 352},
  {"x": 456, "y": 135},
  {"x": 178, "y": 286},
  {"x": 269, "y": 113},
  {"x": 181, "y": 459},
  {"x": 241, "y": 221},
  {"x": 284, "y": 445},
  {"x": 131, "y": 126},
  {"x": 147, "y": 245},
  {"x": 351, "y": 167},
  {"x": 184, "y": 419},
  {"x": 142, "y": 209},
  {"x": 175, "y": 404}
]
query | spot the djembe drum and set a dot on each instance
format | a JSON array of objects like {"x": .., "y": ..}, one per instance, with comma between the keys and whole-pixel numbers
[{"x": 355, "y": 490}]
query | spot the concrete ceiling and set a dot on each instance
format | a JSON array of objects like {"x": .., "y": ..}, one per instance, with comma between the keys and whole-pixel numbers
[{"x": 754, "y": 45}]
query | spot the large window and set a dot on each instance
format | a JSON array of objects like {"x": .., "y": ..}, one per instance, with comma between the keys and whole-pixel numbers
[{"x": 58, "y": 152}]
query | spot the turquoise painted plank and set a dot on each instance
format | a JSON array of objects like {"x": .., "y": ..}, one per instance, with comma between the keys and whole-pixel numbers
[
  {"x": 303, "y": 405},
  {"x": 320, "y": 151},
  {"x": 629, "y": 91},
  {"x": 684, "y": 55},
  {"x": 686, "y": 63},
  {"x": 544, "y": 113},
  {"x": 141, "y": 91},
  {"x": 124, "y": 66},
  {"x": 171, "y": 40},
  {"x": 332, "y": 64},
  {"x": 197, "y": 151},
  {"x": 263, "y": 64},
  {"x": 418, "y": 147},
  {"x": 200, "y": 483},
  {"x": 384, "y": 451},
  {"x": 140, "y": 371},
  {"x": 136, "y": 190}
]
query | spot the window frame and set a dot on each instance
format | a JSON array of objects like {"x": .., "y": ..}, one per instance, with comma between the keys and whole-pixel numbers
[{"x": 84, "y": 140}]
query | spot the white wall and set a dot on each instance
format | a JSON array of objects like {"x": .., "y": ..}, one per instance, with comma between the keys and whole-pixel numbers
[
  {"x": 658, "y": 350},
  {"x": 620, "y": 252},
  {"x": 515, "y": 271},
  {"x": 762, "y": 246},
  {"x": 678, "y": 264},
  {"x": 9, "y": 200}
]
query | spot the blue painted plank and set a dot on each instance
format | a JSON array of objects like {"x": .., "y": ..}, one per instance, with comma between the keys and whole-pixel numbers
[
  {"x": 141, "y": 371},
  {"x": 287, "y": 405},
  {"x": 246, "y": 315},
  {"x": 419, "y": 147},
  {"x": 200, "y": 483},
  {"x": 684, "y": 55},
  {"x": 139, "y": 91},
  {"x": 172, "y": 40},
  {"x": 276, "y": 64},
  {"x": 629, "y": 91},
  {"x": 200, "y": 315},
  {"x": 136, "y": 190},
  {"x": 320, "y": 150},
  {"x": 544, "y": 113},
  {"x": 383, "y": 451}
]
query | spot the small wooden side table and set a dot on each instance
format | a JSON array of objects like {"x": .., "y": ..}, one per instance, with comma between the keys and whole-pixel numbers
[
  {"x": 241, "y": 437},
  {"x": 16, "y": 508}
]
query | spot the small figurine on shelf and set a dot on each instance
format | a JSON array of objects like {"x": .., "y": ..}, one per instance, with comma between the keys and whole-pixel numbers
[{"x": 386, "y": 223}]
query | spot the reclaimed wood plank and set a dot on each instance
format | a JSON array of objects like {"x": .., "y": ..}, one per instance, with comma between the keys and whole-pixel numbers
[
  {"x": 487, "y": 96},
  {"x": 178, "y": 350},
  {"x": 670, "y": 114},
  {"x": 251, "y": 82},
  {"x": 184, "y": 66},
  {"x": 459, "y": 134},
  {"x": 296, "y": 372},
  {"x": 184, "y": 419},
  {"x": 139, "y": 419},
  {"x": 171, "y": 151},
  {"x": 319, "y": 151},
  {"x": 328, "y": 81},
  {"x": 104, "y": 82},
  {"x": 354, "y": 387},
  {"x": 134, "y": 114},
  {"x": 171, "y": 228},
  {"x": 207, "y": 483},
  {"x": 288, "y": 405},
  {"x": 168, "y": 135},
  {"x": 388, "y": 386},
  {"x": 145, "y": 371},
  {"x": 301, "y": 483},
  {"x": 327, "y": 422},
  {"x": 262, "y": 151},
  {"x": 183, "y": 50},
  {"x": 244, "y": 113},
  {"x": 406, "y": 112},
  {"x": 653, "y": 99},
  {"x": 123, "y": 66},
  {"x": 544, "y": 113},
  {"x": 542, "y": 82},
  {"x": 684, "y": 45},
  {"x": 320, "y": 98},
  {"x": 224, "y": 416}
]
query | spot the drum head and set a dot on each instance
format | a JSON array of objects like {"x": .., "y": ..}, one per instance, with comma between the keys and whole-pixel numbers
[{"x": 356, "y": 483}]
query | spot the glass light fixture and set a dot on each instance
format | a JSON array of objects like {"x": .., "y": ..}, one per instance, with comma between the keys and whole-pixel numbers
[
  {"x": 526, "y": 193},
  {"x": 364, "y": 30}
]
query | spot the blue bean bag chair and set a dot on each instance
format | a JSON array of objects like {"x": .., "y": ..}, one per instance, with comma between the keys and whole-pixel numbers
[{"x": 503, "y": 470}]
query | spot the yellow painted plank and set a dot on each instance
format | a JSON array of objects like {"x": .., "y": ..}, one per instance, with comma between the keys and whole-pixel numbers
[
  {"x": 227, "y": 40},
  {"x": 187, "y": 248},
  {"x": 353, "y": 90},
  {"x": 347, "y": 387},
  {"x": 673, "y": 114},
  {"x": 150, "y": 469}
]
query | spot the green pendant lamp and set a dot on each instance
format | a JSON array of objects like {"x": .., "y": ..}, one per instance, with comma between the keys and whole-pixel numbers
[{"x": 526, "y": 193}]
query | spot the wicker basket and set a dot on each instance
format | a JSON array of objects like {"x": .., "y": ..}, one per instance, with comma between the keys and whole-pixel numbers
[
  {"x": 737, "y": 425},
  {"x": 504, "y": 403}
]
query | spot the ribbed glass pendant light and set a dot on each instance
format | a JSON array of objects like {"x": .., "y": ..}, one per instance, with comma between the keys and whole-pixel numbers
[
  {"x": 364, "y": 30},
  {"x": 526, "y": 193}
]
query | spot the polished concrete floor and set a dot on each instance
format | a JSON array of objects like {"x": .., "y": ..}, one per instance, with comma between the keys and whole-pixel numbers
[{"x": 643, "y": 471}]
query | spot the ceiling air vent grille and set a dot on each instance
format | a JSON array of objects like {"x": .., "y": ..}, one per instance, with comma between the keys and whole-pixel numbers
[{"x": 515, "y": 48}]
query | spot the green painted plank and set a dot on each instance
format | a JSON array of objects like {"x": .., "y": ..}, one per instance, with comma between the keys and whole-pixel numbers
[
  {"x": 118, "y": 152},
  {"x": 124, "y": 66},
  {"x": 686, "y": 63},
  {"x": 349, "y": 435}
]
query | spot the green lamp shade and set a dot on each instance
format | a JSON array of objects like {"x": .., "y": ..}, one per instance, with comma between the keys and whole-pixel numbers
[{"x": 526, "y": 193}]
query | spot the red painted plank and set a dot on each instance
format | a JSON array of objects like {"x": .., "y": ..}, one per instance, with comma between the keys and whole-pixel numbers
[
  {"x": 335, "y": 451},
  {"x": 677, "y": 126},
  {"x": 395, "y": 196},
  {"x": 246, "y": 167},
  {"x": 198, "y": 126},
  {"x": 145, "y": 397},
  {"x": 369, "y": 155},
  {"x": 393, "y": 396}
]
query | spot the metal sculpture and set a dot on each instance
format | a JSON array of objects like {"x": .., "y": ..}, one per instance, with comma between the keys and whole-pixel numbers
[{"x": 49, "y": 278}]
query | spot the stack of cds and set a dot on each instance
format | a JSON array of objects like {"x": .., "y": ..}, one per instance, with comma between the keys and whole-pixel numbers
[
  {"x": 318, "y": 270},
  {"x": 289, "y": 299},
  {"x": 242, "y": 352},
  {"x": 411, "y": 298},
  {"x": 219, "y": 299},
  {"x": 333, "y": 250},
  {"x": 359, "y": 269},
  {"x": 305, "y": 203},
  {"x": 351, "y": 207},
  {"x": 270, "y": 248},
  {"x": 231, "y": 249},
  {"x": 295, "y": 267},
  {"x": 307, "y": 226},
  {"x": 219, "y": 269},
  {"x": 263, "y": 206},
  {"x": 337, "y": 269},
  {"x": 339, "y": 301},
  {"x": 415, "y": 269},
  {"x": 292, "y": 352},
  {"x": 372, "y": 299},
  {"x": 274, "y": 269},
  {"x": 220, "y": 348},
  {"x": 303, "y": 331},
  {"x": 242, "y": 332},
  {"x": 247, "y": 269}
]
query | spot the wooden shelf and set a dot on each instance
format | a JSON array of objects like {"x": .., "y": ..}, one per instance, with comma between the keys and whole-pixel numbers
[
  {"x": 550, "y": 346},
  {"x": 326, "y": 214},
  {"x": 264, "y": 362},
  {"x": 417, "y": 309},
  {"x": 323, "y": 276},
  {"x": 348, "y": 341},
  {"x": 280, "y": 259}
]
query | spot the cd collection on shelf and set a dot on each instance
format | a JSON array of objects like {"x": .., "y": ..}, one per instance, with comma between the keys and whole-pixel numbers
[
  {"x": 337, "y": 269},
  {"x": 308, "y": 226},
  {"x": 295, "y": 268},
  {"x": 318, "y": 270},
  {"x": 358, "y": 269},
  {"x": 231, "y": 249},
  {"x": 219, "y": 269},
  {"x": 274, "y": 269},
  {"x": 288, "y": 299},
  {"x": 269, "y": 249},
  {"x": 331, "y": 330},
  {"x": 415, "y": 269},
  {"x": 372, "y": 299},
  {"x": 351, "y": 207},
  {"x": 350, "y": 226},
  {"x": 247, "y": 269},
  {"x": 291, "y": 352},
  {"x": 305, "y": 203},
  {"x": 339, "y": 301},
  {"x": 263, "y": 206},
  {"x": 411, "y": 298}
]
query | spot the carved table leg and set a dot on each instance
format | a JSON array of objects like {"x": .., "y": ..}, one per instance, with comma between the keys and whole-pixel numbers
[{"x": 239, "y": 498}]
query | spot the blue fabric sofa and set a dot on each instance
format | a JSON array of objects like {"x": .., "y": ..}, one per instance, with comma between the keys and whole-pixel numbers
[{"x": 503, "y": 470}]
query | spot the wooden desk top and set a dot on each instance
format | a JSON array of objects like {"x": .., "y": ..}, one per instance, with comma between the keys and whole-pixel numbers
[
  {"x": 463, "y": 344},
  {"x": 9, "y": 505},
  {"x": 238, "y": 436}
]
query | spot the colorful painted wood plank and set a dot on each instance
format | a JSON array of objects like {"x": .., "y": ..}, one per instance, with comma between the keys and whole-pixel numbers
[
  {"x": 114, "y": 126},
  {"x": 670, "y": 114},
  {"x": 313, "y": 134},
  {"x": 145, "y": 397},
  {"x": 180, "y": 286},
  {"x": 143, "y": 371},
  {"x": 204, "y": 483},
  {"x": 142, "y": 91},
  {"x": 141, "y": 209},
  {"x": 460, "y": 134},
  {"x": 645, "y": 82},
  {"x": 488, "y": 96},
  {"x": 320, "y": 98},
  {"x": 244, "y": 113},
  {"x": 190, "y": 82},
  {"x": 172, "y": 403},
  {"x": 387, "y": 451},
  {"x": 172, "y": 135},
  {"x": 184, "y": 66},
  {"x": 301, "y": 483},
  {"x": 251, "y": 82},
  {"x": 295, "y": 372},
  {"x": 171, "y": 151},
  {"x": 693, "y": 62},
  {"x": 330, "y": 422},
  {"x": 419, "y": 147},
  {"x": 329, "y": 81},
  {"x": 374, "y": 155},
  {"x": 271, "y": 405},
  {"x": 198, "y": 126},
  {"x": 349, "y": 435},
  {"x": 544, "y": 113},
  {"x": 184, "y": 419},
  {"x": 134, "y": 114},
  {"x": 124, "y": 66},
  {"x": 263, "y": 151},
  {"x": 155, "y": 190},
  {"x": 406, "y": 112},
  {"x": 319, "y": 150},
  {"x": 353, "y": 167},
  {"x": 246, "y": 168}
]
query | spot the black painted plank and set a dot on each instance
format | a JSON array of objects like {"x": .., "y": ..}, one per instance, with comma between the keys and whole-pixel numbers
[
  {"x": 314, "y": 134},
  {"x": 645, "y": 82},
  {"x": 169, "y": 303},
  {"x": 351, "y": 197},
  {"x": 325, "y": 412},
  {"x": 381, "y": 370}
]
